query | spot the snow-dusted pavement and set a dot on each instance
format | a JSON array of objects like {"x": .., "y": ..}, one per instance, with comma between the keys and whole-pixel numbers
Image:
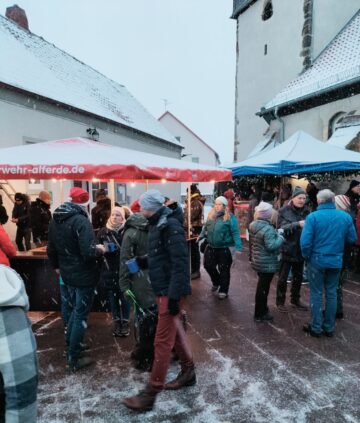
[{"x": 247, "y": 372}]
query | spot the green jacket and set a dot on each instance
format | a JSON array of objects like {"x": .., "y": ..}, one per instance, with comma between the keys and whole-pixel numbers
[
  {"x": 221, "y": 233},
  {"x": 134, "y": 244},
  {"x": 266, "y": 243}
]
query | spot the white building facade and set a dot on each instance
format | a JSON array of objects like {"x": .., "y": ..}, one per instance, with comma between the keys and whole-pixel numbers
[
  {"x": 194, "y": 148},
  {"x": 276, "y": 41}
]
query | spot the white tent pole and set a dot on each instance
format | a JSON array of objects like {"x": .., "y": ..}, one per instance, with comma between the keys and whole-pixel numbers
[
  {"x": 112, "y": 192},
  {"x": 189, "y": 210},
  {"x": 61, "y": 191}
]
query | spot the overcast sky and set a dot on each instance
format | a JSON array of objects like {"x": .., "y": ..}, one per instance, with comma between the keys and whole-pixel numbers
[{"x": 179, "y": 50}]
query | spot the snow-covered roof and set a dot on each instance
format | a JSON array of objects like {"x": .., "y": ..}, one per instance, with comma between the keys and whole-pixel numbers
[
  {"x": 342, "y": 137},
  {"x": 30, "y": 63},
  {"x": 240, "y": 6},
  {"x": 337, "y": 65}
]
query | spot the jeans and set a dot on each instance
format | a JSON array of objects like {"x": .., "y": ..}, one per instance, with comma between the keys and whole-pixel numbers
[
  {"x": 170, "y": 333},
  {"x": 217, "y": 262},
  {"x": 297, "y": 269},
  {"x": 67, "y": 303},
  {"x": 23, "y": 233},
  {"x": 84, "y": 297},
  {"x": 262, "y": 292},
  {"x": 120, "y": 308},
  {"x": 320, "y": 279}
]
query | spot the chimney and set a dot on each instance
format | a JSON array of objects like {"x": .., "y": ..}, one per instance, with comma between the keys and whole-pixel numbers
[{"x": 18, "y": 15}]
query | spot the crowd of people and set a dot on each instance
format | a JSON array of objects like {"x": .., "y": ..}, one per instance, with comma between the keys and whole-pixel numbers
[
  {"x": 146, "y": 255},
  {"x": 303, "y": 238}
]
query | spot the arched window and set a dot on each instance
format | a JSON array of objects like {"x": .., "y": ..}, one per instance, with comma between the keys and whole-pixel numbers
[
  {"x": 267, "y": 11},
  {"x": 334, "y": 121}
]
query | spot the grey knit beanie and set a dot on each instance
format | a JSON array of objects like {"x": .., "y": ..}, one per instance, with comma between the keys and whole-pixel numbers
[
  {"x": 298, "y": 191},
  {"x": 151, "y": 200}
]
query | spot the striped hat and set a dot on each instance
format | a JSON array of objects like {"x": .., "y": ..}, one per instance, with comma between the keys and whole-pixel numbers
[{"x": 342, "y": 202}]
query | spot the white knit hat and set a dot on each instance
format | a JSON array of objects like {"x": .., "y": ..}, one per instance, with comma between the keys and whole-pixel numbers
[
  {"x": 222, "y": 200},
  {"x": 264, "y": 210},
  {"x": 12, "y": 289}
]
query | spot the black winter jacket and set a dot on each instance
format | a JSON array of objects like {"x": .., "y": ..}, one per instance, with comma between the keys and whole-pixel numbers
[
  {"x": 109, "y": 272},
  {"x": 168, "y": 254},
  {"x": 40, "y": 216},
  {"x": 72, "y": 246},
  {"x": 354, "y": 200},
  {"x": 22, "y": 213},
  {"x": 288, "y": 219}
]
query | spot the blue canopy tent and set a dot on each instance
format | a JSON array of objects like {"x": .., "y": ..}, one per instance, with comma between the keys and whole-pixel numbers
[{"x": 300, "y": 154}]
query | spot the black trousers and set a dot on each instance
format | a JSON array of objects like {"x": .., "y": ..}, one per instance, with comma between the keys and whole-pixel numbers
[
  {"x": 217, "y": 262},
  {"x": 262, "y": 292},
  {"x": 143, "y": 354},
  {"x": 23, "y": 233},
  {"x": 195, "y": 251},
  {"x": 297, "y": 271}
]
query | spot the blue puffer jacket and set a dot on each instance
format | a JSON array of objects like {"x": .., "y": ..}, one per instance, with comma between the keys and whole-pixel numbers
[
  {"x": 221, "y": 233},
  {"x": 266, "y": 243},
  {"x": 324, "y": 236},
  {"x": 168, "y": 254}
]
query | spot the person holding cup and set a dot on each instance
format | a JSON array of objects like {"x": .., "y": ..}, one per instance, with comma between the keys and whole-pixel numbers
[{"x": 111, "y": 237}]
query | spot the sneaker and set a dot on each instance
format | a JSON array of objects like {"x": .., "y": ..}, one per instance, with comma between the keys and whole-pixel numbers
[
  {"x": 328, "y": 334},
  {"x": 307, "y": 329},
  {"x": 299, "y": 305},
  {"x": 195, "y": 275},
  {"x": 117, "y": 328},
  {"x": 125, "y": 329},
  {"x": 282, "y": 308},
  {"x": 222, "y": 295},
  {"x": 214, "y": 288},
  {"x": 265, "y": 318}
]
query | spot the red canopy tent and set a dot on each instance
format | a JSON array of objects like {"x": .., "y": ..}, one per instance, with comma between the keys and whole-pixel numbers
[{"x": 82, "y": 159}]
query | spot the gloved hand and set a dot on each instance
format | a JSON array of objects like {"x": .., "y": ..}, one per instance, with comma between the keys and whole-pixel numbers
[
  {"x": 173, "y": 307},
  {"x": 142, "y": 262}
]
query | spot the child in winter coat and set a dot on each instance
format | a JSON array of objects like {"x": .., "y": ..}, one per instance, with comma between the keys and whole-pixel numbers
[
  {"x": 265, "y": 257},
  {"x": 111, "y": 238},
  {"x": 135, "y": 246}
]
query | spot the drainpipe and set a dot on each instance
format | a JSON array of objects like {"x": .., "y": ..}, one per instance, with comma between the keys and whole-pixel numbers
[{"x": 282, "y": 123}]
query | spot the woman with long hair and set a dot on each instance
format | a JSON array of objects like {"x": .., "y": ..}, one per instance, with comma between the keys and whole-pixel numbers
[
  {"x": 222, "y": 235},
  {"x": 111, "y": 236}
]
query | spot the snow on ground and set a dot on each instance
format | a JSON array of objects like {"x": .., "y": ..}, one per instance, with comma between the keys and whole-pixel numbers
[{"x": 246, "y": 372}]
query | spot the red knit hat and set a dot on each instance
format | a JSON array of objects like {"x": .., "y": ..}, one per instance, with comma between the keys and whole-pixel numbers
[
  {"x": 135, "y": 206},
  {"x": 79, "y": 196}
]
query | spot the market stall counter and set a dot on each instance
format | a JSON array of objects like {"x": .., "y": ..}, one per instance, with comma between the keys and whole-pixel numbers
[{"x": 42, "y": 282}]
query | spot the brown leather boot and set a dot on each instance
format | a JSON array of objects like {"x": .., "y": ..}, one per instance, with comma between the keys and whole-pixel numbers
[
  {"x": 143, "y": 401},
  {"x": 186, "y": 377}
]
